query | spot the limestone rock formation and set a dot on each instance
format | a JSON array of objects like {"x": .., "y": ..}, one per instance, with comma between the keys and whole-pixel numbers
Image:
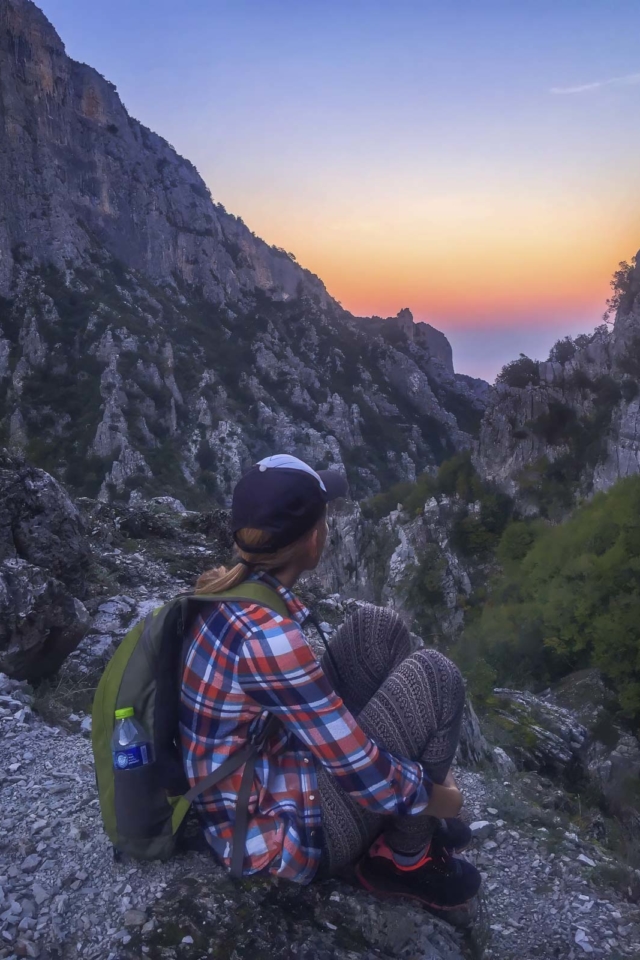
[
  {"x": 544, "y": 736},
  {"x": 473, "y": 748},
  {"x": 382, "y": 560},
  {"x": 572, "y": 424},
  {"x": 40, "y": 523},
  {"x": 81, "y": 169},
  {"x": 151, "y": 343},
  {"x": 572, "y": 733}
]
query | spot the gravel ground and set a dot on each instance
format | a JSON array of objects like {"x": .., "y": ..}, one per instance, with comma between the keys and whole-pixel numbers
[
  {"x": 543, "y": 884},
  {"x": 63, "y": 896}
]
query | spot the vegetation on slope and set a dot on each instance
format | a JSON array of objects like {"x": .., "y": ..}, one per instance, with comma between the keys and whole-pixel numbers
[
  {"x": 480, "y": 513},
  {"x": 568, "y": 597},
  {"x": 475, "y": 532},
  {"x": 104, "y": 336}
]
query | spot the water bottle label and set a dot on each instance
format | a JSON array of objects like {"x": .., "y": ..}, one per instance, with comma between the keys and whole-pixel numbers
[{"x": 134, "y": 756}]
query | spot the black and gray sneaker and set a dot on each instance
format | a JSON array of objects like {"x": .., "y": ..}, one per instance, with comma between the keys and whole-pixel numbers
[{"x": 442, "y": 883}]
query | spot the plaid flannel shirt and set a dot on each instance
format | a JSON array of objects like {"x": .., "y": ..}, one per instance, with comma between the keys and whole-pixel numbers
[{"x": 244, "y": 660}]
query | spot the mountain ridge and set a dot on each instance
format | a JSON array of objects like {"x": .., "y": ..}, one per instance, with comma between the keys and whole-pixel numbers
[
  {"x": 199, "y": 347},
  {"x": 558, "y": 430},
  {"x": 90, "y": 126}
]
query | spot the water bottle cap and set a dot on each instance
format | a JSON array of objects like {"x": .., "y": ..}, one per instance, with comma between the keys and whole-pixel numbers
[{"x": 125, "y": 712}]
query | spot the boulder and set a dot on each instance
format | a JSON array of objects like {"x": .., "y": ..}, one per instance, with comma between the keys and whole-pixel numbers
[
  {"x": 617, "y": 774},
  {"x": 41, "y": 623},
  {"x": 540, "y": 734},
  {"x": 473, "y": 747},
  {"x": 585, "y": 694},
  {"x": 44, "y": 556},
  {"x": 572, "y": 732},
  {"x": 39, "y": 523},
  {"x": 503, "y": 762}
]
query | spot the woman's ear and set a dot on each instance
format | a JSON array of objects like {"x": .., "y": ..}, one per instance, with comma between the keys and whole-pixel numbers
[
  {"x": 314, "y": 537},
  {"x": 318, "y": 543}
]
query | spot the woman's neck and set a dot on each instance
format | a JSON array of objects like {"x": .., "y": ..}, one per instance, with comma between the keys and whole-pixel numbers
[{"x": 288, "y": 575}]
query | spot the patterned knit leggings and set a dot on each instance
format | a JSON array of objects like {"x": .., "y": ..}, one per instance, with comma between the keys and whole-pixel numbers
[{"x": 409, "y": 703}]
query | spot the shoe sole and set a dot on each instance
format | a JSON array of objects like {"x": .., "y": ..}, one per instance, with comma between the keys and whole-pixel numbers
[{"x": 390, "y": 894}]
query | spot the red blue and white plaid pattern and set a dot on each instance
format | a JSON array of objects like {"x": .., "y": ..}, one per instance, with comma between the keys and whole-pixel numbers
[{"x": 244, "y": 660}]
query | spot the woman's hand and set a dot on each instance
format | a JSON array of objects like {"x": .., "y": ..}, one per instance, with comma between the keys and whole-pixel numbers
[{"x": 446, "y": 799}]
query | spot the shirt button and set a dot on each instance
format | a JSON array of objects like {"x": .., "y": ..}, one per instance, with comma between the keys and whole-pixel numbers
[
  {"x": 306, "y": 760},
  {"x": 312, "y": 796}
]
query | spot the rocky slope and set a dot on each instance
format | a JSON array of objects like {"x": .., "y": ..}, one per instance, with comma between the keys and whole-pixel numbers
[
  {"x": 384, "y": 561},
  {"x": 556, "y": 878},
  {"x": 553, "y": 433},
  {"x": 148, "y": 340},
  {"x": 550, "y": 888}
]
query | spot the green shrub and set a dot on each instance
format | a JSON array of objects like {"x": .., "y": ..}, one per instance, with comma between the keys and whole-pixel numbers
[
  {"x": 481, "y": 680},
  {"x": 206, "y": 457},
  {"x": 520, "y": 373},
  {"x": 569, "y": 600},
  {"x": 473, "y": 535},
  {"x": 469, "y": 537},
  {"x": 516, "y": 541},
  {"x": 418, "y": 493},
  {"x": 424, "y": 592},
  {"x": 476, "y": 535},
  {"x": 209, "y": 482},
  {"x": 458, "y": 477},
  {"x": 580, "y": 380},
  {"x": 623, "y": 287},
  {"x": 563, "y": 350},
  {"x": 551, "y": 484},
  {"x": 375, "y": 508},
  {"x": 607, "y": 391}
]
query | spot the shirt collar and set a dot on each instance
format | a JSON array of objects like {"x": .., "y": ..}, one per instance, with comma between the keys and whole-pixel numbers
[{"x": 295, "y": 606}]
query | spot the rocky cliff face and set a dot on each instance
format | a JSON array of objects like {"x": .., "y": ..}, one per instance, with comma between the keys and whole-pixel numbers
[
  {"x": 44, "y": 560},
  {"x": 574, "y": 426},
  {"x": 79, "y": 172},
  {"x": 407, "y": 562},
  {"x": 149, "y": 341}
]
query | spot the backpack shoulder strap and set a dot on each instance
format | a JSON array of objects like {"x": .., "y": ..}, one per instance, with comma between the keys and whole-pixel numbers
[{"x": 252, "y": 592}]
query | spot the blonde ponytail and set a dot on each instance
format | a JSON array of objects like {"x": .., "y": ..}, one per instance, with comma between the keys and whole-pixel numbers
[{"x": 220, "y": 579}]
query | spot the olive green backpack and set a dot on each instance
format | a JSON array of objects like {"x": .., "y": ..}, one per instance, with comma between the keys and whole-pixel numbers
[{"x": 144, "y": 808}]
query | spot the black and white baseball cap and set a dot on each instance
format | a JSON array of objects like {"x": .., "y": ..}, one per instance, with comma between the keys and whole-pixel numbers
[{"x": 282, "y": 496}]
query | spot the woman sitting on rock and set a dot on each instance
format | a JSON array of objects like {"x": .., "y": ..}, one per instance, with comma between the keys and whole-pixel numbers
[{"x": 358, "y": 770}]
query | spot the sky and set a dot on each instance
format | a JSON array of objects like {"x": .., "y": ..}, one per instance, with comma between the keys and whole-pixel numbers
[{"x": 474, "y": 161}]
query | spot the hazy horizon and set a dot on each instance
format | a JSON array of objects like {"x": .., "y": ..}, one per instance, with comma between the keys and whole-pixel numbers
[{"x": 476, "y": 165}]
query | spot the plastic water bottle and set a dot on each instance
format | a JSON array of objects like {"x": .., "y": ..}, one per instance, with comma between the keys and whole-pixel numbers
[{"x": 130, "y": 743}]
